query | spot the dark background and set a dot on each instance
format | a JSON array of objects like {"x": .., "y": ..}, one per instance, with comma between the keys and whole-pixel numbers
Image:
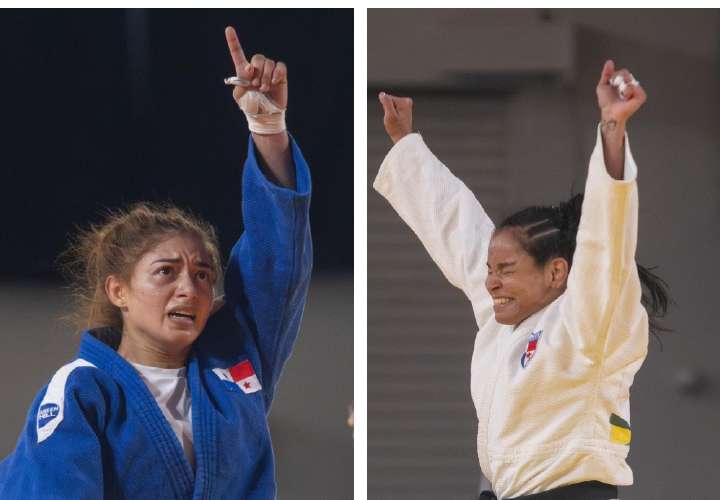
[{"x": 101, "y": 108}]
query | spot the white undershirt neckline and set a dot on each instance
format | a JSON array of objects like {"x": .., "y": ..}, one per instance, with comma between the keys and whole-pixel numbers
[{"x": 170, "y": 390}]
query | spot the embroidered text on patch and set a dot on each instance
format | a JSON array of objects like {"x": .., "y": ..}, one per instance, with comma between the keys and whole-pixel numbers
[
  {"x": 530, "y": 348},
  {"x": 46, "y": 413}
]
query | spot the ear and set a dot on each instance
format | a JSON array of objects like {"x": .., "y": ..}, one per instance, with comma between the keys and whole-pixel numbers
[
  {"x": 556, "y": 272},
  {"x": 116, "y": 291}
]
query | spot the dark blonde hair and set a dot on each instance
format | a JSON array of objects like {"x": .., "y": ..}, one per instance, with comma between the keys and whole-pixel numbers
[{"x": 114, "y": 247}]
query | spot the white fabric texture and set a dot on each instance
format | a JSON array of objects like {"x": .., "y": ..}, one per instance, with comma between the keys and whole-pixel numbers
[
  {"x": 169, "y": 388},
  {"x": 545, "y": 422},
  {"x": 264, "y": 116}
]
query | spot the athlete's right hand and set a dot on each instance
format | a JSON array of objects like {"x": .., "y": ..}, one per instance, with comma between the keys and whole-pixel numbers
[
  {"x": 398, "y": 115},
  {"x": 264, "y": 74}
]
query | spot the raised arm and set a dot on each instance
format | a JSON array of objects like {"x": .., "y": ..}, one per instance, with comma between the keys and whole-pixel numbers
[
  {"x": 437, "y": 206},
  {"x": 267, "y": 80},
  {"x": 268, "y": 272},
  {"x": 604, "y": 276},
  {"x": 619, "y": 97}
]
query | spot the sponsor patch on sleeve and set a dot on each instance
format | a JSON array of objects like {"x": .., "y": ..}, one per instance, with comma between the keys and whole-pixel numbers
[
  {"x": 47, "y": 413},
  {"x": 50, "y": 412}
]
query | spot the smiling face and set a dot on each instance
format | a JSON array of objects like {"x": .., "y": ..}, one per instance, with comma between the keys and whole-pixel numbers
[
  {"x": 167, "y": 302},
  {"x": 518, "y": 285}
]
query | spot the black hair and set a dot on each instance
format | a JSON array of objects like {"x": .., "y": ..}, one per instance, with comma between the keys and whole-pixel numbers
[{"x": 547, "y": 232}]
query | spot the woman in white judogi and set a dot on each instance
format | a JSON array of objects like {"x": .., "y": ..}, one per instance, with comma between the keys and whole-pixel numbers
[{"x": 557, "y": 297}]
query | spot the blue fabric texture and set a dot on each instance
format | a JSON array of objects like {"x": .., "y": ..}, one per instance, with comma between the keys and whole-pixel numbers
[{"x": 113, "y": 441}]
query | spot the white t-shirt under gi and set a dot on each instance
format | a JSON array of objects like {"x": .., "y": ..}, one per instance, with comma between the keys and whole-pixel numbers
[{"x": 170, "y": 390}]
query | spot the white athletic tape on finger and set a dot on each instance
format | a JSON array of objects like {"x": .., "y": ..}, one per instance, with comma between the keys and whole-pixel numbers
[
  {"x": 619, "y": 82},
  {"x": 264, "y": 116},
  {"x": 236, "y": 80}
]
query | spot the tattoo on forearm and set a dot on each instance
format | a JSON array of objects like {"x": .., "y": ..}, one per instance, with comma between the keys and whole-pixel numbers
[{"x": 609, "y": 125}]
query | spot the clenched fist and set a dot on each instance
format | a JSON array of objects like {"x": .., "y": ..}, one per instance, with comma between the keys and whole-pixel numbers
[
  {"x": 398, "y": 115},
  {"x": 612, "y": 106}
]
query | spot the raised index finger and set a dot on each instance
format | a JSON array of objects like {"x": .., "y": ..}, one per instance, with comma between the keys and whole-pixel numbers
[{"x": 236, "y": 51}]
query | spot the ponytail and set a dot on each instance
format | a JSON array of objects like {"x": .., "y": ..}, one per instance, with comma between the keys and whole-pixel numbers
[
  {"x": 547, "y": 232},
  {"x": 655, "y": 298}
]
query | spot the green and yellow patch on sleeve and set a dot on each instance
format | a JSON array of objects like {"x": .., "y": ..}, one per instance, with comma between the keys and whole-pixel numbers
[{"x": 619, "y": 430}]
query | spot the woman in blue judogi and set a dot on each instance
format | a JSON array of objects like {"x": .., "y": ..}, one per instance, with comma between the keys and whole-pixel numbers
[{"x": 169, "y": 394}]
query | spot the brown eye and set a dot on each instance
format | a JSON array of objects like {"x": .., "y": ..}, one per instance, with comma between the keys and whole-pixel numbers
[
  {"x": 165, "y": 271},
  {"x": 203, "y": 275}
]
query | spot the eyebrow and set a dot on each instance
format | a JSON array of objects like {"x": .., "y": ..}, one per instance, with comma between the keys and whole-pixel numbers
[
  {"x": 177, "y": 260},
  {"x": 505, "y": 264}
]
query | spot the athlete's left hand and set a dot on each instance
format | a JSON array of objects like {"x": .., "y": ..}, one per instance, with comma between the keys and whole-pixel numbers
[
  {"x": 264, "y": 74},
  {"x": 612, "y": 106}
]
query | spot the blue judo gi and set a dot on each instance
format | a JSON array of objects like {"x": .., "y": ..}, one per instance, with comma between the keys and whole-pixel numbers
[{"x": 98, "y": 432}]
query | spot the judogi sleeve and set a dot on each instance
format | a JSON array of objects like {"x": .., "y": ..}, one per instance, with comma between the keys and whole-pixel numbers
[
  {"x": 603, "y": 308},
  {"x": 441, "y": 210},
  {"x": 58, "y": 454},
  {"x": 268, "y": 273}
]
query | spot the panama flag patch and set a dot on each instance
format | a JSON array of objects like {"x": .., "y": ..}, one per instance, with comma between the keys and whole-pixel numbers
[
  {"x": 242, "y": 375},
  {"x": 530, "y": 348}
]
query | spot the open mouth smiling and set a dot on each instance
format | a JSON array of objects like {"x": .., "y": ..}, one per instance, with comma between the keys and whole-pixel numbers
[{"x": 501, "y": 301}]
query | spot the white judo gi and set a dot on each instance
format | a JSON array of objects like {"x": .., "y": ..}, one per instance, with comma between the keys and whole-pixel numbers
[{"x": 552, "y": 394}]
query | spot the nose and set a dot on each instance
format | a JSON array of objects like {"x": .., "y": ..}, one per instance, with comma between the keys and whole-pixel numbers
[
  {"x": 186, "y": 286},
  {"x": 492, "y": 283}
]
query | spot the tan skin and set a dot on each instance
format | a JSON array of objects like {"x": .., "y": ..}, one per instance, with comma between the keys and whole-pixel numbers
[
  {"x": 168, "y": 298},
  {"x": 269, "y": 77},
  {"x": 519, "y": 286},
  {"x": 166, "y": 303}
]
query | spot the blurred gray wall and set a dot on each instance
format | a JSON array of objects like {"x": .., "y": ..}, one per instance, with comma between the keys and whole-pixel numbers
[
  {"x": 313, "y": 446},
  {"x": 506, "y": 99}
]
